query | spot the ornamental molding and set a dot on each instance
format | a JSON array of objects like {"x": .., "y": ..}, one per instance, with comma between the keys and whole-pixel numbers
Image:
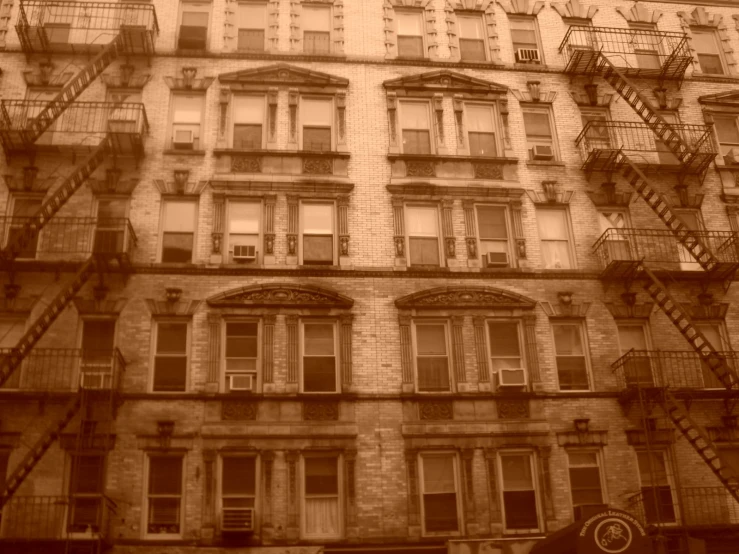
[
  {"x": 180, "y": 308},
  {"x": 282, "y": 74},
  {"x": 521, "y": 7},
  {"x": 575, "y": 310},
  {"x": 17, "y": 307},
  {"x": 588, "y": 438},
  {"x": 575, "y": 10},
  {"x": 729, "y": 98},
  {"x": 40, "y": 80},
  {"x": 638, "y": 13},
  {"x": 308, "y": 189},
  {"x": 437, "y": 192},
  {"x": 170, "y": 187},
  {"x": 239, "y": 410},
  {"x": 525, "y": 96},
  {"x": 716, "y": 311},
  {"x": 551, "y": 195},
  {"x": 624, "y": 311},
  {"x": 195, "y": 85},
  {"x": 284, "y": 295},
  {"x": 603, "y": 199},
  {"x": 444, "y": 81},
  {"x": 122, "y": 81},
  {"x": 472, "y": 5},
  {"x": 684, "y": 200},
  {"x": 436, "y": 410},
  {"x": 321, "y": 410},
  {"x": 582, "y": 99},
  {"x": 38, "y": 187},
  {"x": 461, "y": 297},
  {"x": 124, "y": 187},
  {"x": 700, "y": 17},
  {"x": 409, "y": 3},
  {"x": 89, "y": 306},
  {"x": 513, "y": 408}
]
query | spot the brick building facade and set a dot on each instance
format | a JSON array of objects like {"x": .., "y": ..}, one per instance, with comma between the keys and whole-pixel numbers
[{"x": 368, "y": 275}]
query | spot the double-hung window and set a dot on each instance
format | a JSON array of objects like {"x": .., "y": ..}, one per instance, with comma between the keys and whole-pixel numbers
[
  {"x": 471, "y": 37},
  {"x": 432, "y": 356},
  {"x": 540, "y": 143},
  {"x": 657, "y": 494},
  {"x": 493, "y": 233},
  {"x": 410, "y": 34},
  {"x": 97, "y": 364},
  {"x": 319, "y": 356},
  {"x": 248, "y": 122},
  {"x": 242, "y": 354},
  {"x": 23, "y": 210},
  {"x": 597, "y": 134},
  {"x": 706, "y": 45},
  {"x": 646, "y": 44},
  {"x": 422, "y": 223},
  {"x": 322, "y": 507},
  {"x": 316, "y": 29},
  {"x": 727, "y": 131},
  {"x": 238, "y": 492},
  {"x": 586, "y": 486},
  {"x": 171, "y": 356},
  {"x": 193, "y": 32},
  {"x": 178, "y": 230},
  {"x": 317, "y": 245},
  {"x": 569, "y": 348},
  {"x": 440, "y": 500},
  {"x": 554, "y": 233},
  {"x": 111, "y": 227},
  {"x": 713, "y": 331},
  {"x": 316, "y": 116},
  {"x": 187, "y": 121},
  {"x": 164, "y": 495},
  {"x": 481, "y": 126},
  {"x": 251, "y": 22},
  {"x": 525, "y": 39},
  {"x": 505, "y": 353},
  {"x": 638, "y": 368},
  {"x": 86, "y": 489},
  {"x": 520, "y": 504},
  {"x": 11, "y": 331},
  {"x": 415, "y": 127},
  {"x": 243, "y": 232}
]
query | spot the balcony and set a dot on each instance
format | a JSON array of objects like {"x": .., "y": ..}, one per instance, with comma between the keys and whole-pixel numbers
[
  {"x": 635, "y": 52},
  {"x": 620, "y": 250},
  {"x": 600, "y": 141},
  {"x": 674, "y": 369},
  {"x": 85, "y": 27},
  {"x": 696, "y": 507},
  {"x": 82, "y": 126},
  {"x": 66, "y": 370}
]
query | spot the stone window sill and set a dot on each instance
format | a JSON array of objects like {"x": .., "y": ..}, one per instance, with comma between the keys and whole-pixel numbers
[{"x": 172, "y": 152}]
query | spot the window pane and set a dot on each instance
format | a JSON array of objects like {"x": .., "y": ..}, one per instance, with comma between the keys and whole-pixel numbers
[
  {"x": 409, "y": 23},
  {"x": 424, "y": 251},
  {"x": 248, "y": 109},
  {"x": 239, "y": 476},
  {"x": 318, "y": 219},
  {"x": 567, "y": 340},
  {"x": 472, "y": 49},
  {"x": 241, "y": 340},
  {"x": 251, "y": 39},
  {"x": 537, "y": 124},
  {"x": 318, "y": 249},
  {"x": 317, "y": 139},
  {"x": 416, "y": 142},
  {"x": 414, "y": 115},
  {"x": 316, "y": 111},
  {"x": 243, "y": 217},
  {"x": 26, "y": 207},
  {"x": 177, "y": 247},
  {"x": 482, "y": 144},
  {"x": 87, "y": 475},
  {"x": 251, "y": 16},
  {"x": 316, "y": 42},
  {"x": 422, "y": 221},
  {"x": 319, "y": 374},
  {"x": 552, "y": 224},
  {"x": 321, "y": 476},
  {"x": 711, "y": 63},
  {"x": 319, "y": 339},
  {"x": 480, "y": 118},
  {"x": 520, "y": 510},
  {"x": 438, "y": 474},
  {"x": 583, "y": 458},
  {"x": 431, "y": 340},
  {"x": 516, "y": 471},
  {"x": 410, "y": 47},
  {"x": 433, "y": 374},
  {"x": 170, "y": 373},
  {"x": 491, "y": 222},
  {"x": 195, "y": 19},
  {"x": 171, "y": 338},
  {"x": 704, "y": 42},
  {"x": 727, "y": 130},
  {"x": 504, "y": 339},
  {"x": 631, "y": 336},
  {"x": 187, "y": 109},
  {"x": 440, "y": 512},
  {"x": 471, "y": 27},
  {"x": 652, "y": 468},
  {"x": 165, "y": 475},
  {"x": 179, "y": 217},
  {"x": 316, "y": 18}
]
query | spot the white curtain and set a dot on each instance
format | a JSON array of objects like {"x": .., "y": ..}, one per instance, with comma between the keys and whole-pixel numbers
[{"x": 322, "y": 516}]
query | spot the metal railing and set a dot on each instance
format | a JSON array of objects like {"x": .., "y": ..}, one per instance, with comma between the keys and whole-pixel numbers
[
  {"x": 659, "y": 246},
  {"x": 67, "y": 370},
  {"x": 63, "y": 237},
  {"x": 647, "y": 52},
  {"x": 57, "y": 517},
  {"x": 676, "y": 369},
  {"x": 701, "y": 506}
]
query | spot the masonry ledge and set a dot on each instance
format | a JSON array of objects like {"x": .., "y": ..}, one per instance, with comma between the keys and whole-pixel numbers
[
  {"x": 257, "y": 429},
  {"x": 468, "y": 428}
]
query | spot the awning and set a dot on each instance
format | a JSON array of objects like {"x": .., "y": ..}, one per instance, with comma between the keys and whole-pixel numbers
[{"x": 608, "y": 532}]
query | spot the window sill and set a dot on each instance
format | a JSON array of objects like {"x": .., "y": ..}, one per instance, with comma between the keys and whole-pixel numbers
[
  {"x": 447, "y": 157},
  {"x": 543, "y": 163},
  {"x": 173, "y": 152},
  {"x": 427, "y": 268}
]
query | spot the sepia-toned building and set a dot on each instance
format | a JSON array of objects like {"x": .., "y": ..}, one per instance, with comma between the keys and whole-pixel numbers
[{"x": 369, "y": 276}]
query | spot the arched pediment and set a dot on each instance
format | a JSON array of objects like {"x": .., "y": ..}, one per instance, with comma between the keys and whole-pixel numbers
[
  {"x": 464, "y": 298},
  {"x": 281, "y": 295}
]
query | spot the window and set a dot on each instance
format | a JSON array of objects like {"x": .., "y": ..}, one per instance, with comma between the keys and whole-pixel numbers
[
  {"x": 706, "y": 46},
  {"x": 440, "y": 503},
  {"x": 164, "y": 495},
  {"x": 505, "y": 353},
  {"x": 238, "y": 491},
  {"x": 23, "y": 210},
  {"x": 728, "y": 137},
  {"x": 316, "y": 123},
  {"x": 187, "y": 115},
  {"x": 525, "y": 39},
  {"x": 664, "y": 154},
  {"x": 322, "y": 517},
  {"x": 111, "y": 225},
  {"x": 638, "y": 370},
  {"x": 471, "y": 37},
  {"x": 98, "y": 342},
  {"x": 193, "y": 32},
  {"x": 319, "y": 357},
  {"x": 520, "y": 505},
  {"x": 714, "y": 333},
  {"x": 57, "y": 22},
  {"x": 410, "y": 34},
  {"x": 170, "y": 361},
  {"x": 11, "y": 331},
  {"x": 242, "y": 353},
  {"x": 86, "y": 488},
  {"x": 554, "y": 233},
  {"x": 4, "y": 460},
  {"x": 178, "y": 234},
  {"x": 415, "y": 127},
  {"x": 41, "y": 99},
  {"x": 481, "y": 125},
  {"x": 586, "y": 486},
  {"x": 539, "y": 135},
  {"x": 493, "y": 233},
  {"x": 248, "y": 122},
  {"x": 123, "y": 118},
  {"x": 243, "y": 232},
  {"x": 616, "y": 244},
  {"x": 693, "y": 221},
  {"x": 432, "y": 357},
  {"x": 598, "y": 135},
  {"x": 422, "y": 223},
  {"x": 646, "y": 45},
  {"x": 317, "y": 225},
  {"x": 251, "y": 22},
  {"x": 316, "y": 29},
  {"x": 569, "y": 347},
  {"x": 656, "y": 489}
]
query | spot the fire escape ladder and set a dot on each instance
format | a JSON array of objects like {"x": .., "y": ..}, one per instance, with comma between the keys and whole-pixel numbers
[
  {"x": 44, "y": 321},
  {"x": 39, "y": 449},
  {"x": 701, "y": 442},
  {"x": 672, "y": 309}
]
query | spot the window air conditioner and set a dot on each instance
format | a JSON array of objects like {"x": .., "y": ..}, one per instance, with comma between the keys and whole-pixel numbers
[
  {"x": 244, "y": 253},
  {"x": 496, "y": 259},
  {"x": 732, "y": 157},
  {"x": 528, "y": 55},
  {"x": 543, "y": 152},
  {"x": 95, "y": 379},
  {"x": 183, "y": 140},
  {"x": 512, "y": 377},
  {"x": 584, "y": 511},
  {"x": 241, "y": 381},
  {"x": 237, "y": 520}
]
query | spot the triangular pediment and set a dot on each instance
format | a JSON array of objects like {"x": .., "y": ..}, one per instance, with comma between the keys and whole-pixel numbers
[
  {"x": 729, "y": 98},
  {"x": 464, "y": 298},
  {"x": 281, "y": 295},
  {"x": 282, "y": 74},
  {"x": 444, "y": 80}
]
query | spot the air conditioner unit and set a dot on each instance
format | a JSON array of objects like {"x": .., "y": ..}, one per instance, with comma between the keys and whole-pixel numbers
[
  {"x": 496, "y": 259},
  {"x": 244, "y": 253},
  {"x": 237, "y": 520},
  {"x": 584, "y": 511},
  {"x": 95, "y": 379},
  {"x": 241, "y": 381},
  {"x": 512, "y": 377},
  {"x": 528, "y": 55},
  {"x": 183, "y": 140},
  {"x": 732, "y": 157},
  {"x": 543, "y": 152}
]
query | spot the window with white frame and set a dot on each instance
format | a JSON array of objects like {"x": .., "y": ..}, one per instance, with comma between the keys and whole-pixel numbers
[
  {"x": 251, "y": 23},
  {"x": 586, "y": 484},
  {"x": 322, "y": 510},
  {"x": 569, "y": 348},
  {"x": 316, "y": 21},
  {"x": 540, "y": 142},
  {"x": 193, "y": 31},
  {"x": 317, "y": 224},
  {"x": 171, "y": 356},
  {"x": 519, "y": 491},
  {"x": 481, "y": 129},
  {"x": 415, "y": 127},
  {"x": 23, "y": 209},
  {"x": 657, "y": 493},
  {"x": 440, "y": 499},
  {"x": 637, "y": 369},
  {"x": 319, "y": 356},
  {"x": 432, "y": 356},
  {"x": 492, "y": 230},
  {"x": 186, "y": 116},
  {"x": 471, "y": 37},
  {"x": 57, "y": 22},
  {"x": 238, "y": 492},
  {"x": 164, "y": 495},
  {"x": 316, "y": 117},
  {"x": 178, "y": 230},
  {"x": 248, "y": 122},
  {"x": 410, "y": 34},
  {"x": 727, "y": 132},
  {"x": 506, "y": 357},
  {"x": 646, "y": 43},
  {"x": 707, "y": 48},
  {"x": 422, "y": 224},
  {"x": 525, "y": 40},
  {"x": 86, "y": 489},
  {"x": 241, "y": 356},
  {"x": 598, "y": 134},
  {"x": 554, "y": 235},
  {"x": 242, "y": 239}
]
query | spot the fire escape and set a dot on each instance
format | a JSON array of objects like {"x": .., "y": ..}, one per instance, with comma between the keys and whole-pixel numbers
[
  {"x": 74, "y": 523},
  {"x": 649, "y": 256}
]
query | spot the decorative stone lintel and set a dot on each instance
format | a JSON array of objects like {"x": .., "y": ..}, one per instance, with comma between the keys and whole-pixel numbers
[
  {"x": 590, "y": 438},
  {"x": 566, "y": 310}
]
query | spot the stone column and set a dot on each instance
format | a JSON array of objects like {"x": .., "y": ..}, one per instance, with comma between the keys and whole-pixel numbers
[
  {"x": 496, "y": 514},
  {"x": 406, "y": 352},
  {"x": 411, "y": 462},
  {"x": 473, "y": 254},
  {"x": 293, "y": 509},
  {"x": 212, "y": 383},
  {"x": 293, "y": 208},
  {"x": 399, "y": 230},
  {"x": 481, "y": 349},
  {"x": 343, "y": 223},
  {"x": 346, "y": 351},
  {"x": 269, "y": 229},
  {"x": 209, "y": 517},
  {"x": 532, "y": 357},
  {"x": 350, "y": 464},
  {"x": 292, "y": 137},
  {"x": 291, "y": 324},
  {"x": 468, "y": 458},
  {"x": 460, "y": 371},
  {"x": 450, "y": 243},
  {"x": 219, "y": 212},
  {"x": 268, "y": 351}
]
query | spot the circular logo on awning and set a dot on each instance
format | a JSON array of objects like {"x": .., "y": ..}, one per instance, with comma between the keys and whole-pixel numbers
[{"x": 613, "y": 536}]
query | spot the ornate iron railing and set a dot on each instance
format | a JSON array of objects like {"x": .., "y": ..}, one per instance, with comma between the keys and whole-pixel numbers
[{"x": 688, "y": 506}]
